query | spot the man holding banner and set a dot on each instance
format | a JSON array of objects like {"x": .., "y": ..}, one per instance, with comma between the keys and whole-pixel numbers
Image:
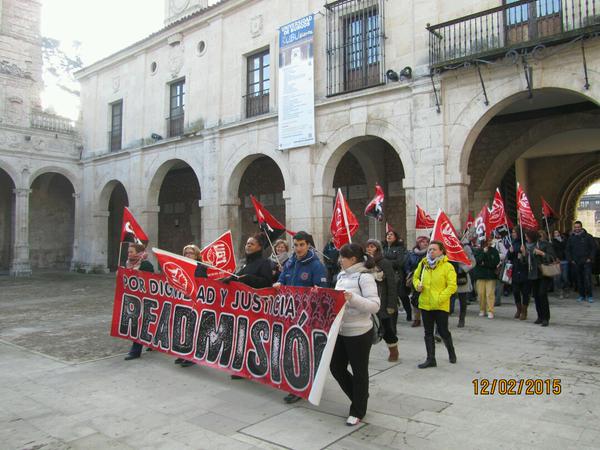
[{"x": 302, "y": 269}]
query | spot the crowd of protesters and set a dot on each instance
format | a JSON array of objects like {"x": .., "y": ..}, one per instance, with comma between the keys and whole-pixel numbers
[{"x": 379, "y": 277}]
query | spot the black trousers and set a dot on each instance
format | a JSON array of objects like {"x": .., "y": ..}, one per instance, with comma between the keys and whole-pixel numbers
[
  {"x": 521, "y": 292},
  {"x": 354, "y": 350},
  {"x": 436, "y": 317},
  {"x": 539, "y": 289},
  {"x": 388, "y": 325}
]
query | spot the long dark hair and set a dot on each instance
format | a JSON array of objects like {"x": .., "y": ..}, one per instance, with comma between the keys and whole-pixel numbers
[{"x": 358, "y": 252}]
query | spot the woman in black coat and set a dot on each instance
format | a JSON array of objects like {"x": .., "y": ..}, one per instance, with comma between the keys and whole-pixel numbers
[
  {"x": 521, "y": 286},
  {"x": 395, "y": 251},
  {"x": 385, "y": 277}
]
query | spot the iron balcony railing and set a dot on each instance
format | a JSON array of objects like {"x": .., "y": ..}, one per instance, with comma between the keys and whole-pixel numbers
[
  {"x": 517, "y": 25},
  {"x": 114, "y": 140},
  {"x": 257, "y": 103},
  {"x": 355, "y": 40},
  {"x": 175, "y": 125}
]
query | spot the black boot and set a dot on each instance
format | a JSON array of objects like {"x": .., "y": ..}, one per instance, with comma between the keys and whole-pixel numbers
[
  {"x": 451, "y": 352},
  {"x": 463, "y": 312},
  {"x": 430, "y": 347}
]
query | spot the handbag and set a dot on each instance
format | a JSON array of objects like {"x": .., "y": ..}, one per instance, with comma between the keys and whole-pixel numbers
[
  {"x": 550, "y": 270},
  {"x": 507, "y": 273},
  {"x": 462, "y": 278},
  {"x": 375, "y": 320}
]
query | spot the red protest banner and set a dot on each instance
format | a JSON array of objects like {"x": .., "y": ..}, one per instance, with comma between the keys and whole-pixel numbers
[{"x": 282, "y": 338}]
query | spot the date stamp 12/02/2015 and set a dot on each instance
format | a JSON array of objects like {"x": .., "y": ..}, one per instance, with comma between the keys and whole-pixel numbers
[{"x": 513, "y": 386}]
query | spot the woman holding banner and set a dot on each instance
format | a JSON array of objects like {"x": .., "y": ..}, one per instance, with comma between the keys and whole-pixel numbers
[
  {"x": 353, "y": 343},
  {"x": 435, "y": 280},
  {"x": 137, "y": 260}
]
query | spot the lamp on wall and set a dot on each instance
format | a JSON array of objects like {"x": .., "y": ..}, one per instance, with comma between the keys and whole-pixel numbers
[
  {"x": 156, "y": 137},
  {"x": 404, "y": 74},
  {"x": 392, "y": 75}
]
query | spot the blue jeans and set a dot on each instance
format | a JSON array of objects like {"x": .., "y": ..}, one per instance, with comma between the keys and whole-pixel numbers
[
  {"x": 562, "y": 281},
  {"x": 584, "y": 278}
]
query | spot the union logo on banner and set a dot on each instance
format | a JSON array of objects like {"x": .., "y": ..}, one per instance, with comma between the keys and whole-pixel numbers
[{"x": 178, "y": 278}]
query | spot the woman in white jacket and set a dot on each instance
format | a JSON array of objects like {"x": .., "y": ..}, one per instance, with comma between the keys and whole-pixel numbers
[{"x": 353, "y": 344}]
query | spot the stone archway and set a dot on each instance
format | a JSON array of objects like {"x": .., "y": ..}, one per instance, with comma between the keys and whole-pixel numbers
[
  {"x": 179, "y": 212},
  {"x": 355, "y": 168},
  {"x": 573, "y": 191},
  {"x": 117, "y": 201},
  {"x": 51, "y": 221},
  {"x": 540, "y": 142},
  {"x": 7, "y": 211},
  {"x": 262, "y": 178}
]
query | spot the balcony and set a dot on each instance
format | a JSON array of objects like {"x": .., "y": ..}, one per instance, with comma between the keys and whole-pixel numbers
[
  {"x": 257, "y": 103},
  {"x": 51, "y": 122},
  {"x": 175, "y": 125},
  {"x": 519, "y": 25}
]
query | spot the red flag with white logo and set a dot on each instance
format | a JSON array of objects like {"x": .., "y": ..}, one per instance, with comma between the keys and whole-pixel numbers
[
  {"x": 267, "y": 223},
  {"x": 179, "y": 270},
  {"x": 375, "y": 207},
  {"x": 548, "y": 212},
  {"x": 497, "y": 216},
  {"x": 526, "y": 217},
  {"x": 444, "y": 231},
  {"x": 220, "y": 255},
  {"x": 131, "y": 231},
  {"x": 482, "y": 228},
  {"x": 343, "y": 223},
  {"x": 424, "y": 220}
]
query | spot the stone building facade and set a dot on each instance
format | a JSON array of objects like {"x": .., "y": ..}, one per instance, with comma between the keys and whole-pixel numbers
[
  {"x": 40, "y": 175},
  {"x": 478, "y": 100}
]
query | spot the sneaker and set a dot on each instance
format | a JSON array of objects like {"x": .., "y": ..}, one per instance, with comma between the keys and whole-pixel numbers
[
  {"x": 580, "y": 299},
  {"x": 490, "y": 315},
  {"x": 481, "y": 313},
  {"x": 590, "y": 300},
  {"x": 187, "y": 363},
  {"x": 352, "y": 421},
  {"x": 179, "y": 360}
]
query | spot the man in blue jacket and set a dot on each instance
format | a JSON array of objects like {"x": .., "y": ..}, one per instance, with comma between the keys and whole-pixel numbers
[{"x": 303, "y": 269}]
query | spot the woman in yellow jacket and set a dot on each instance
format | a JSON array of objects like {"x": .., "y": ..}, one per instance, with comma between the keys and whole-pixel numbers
[{"x": 435, "y": 280}]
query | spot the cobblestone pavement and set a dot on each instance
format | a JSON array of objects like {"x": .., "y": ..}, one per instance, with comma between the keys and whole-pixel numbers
[{"x": 64, "y": 385}]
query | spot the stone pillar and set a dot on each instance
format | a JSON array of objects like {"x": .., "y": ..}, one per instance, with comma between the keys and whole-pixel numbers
[
  {"x": 149, "y": 222},
  {"x": 20, "y": 266},
  {"x": 323, "y": 211},
  {"x": 521, "y": 172},
  {"x": 230, "y": 219},
  {"x": 75, "y": 257},
  {"x": 93, "y": 256}
]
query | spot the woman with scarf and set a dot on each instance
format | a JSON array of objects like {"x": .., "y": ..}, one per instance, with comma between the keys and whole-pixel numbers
[
  {"x": 282, "y": 254},
  {"x": 412, "y": 261},
  {"x": 435, "y": 280},
  {"x": 539, "y": 252},
  {"x": 385, "y": 277},
  {"x": 137, "y": 260},
  {"x": 353, "y": 343},
  {"x": 521, "y": 286},
  {"x": 395, "y": 251}
]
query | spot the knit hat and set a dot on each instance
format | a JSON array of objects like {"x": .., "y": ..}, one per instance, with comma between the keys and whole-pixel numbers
[{"x": 422, "y": 239}]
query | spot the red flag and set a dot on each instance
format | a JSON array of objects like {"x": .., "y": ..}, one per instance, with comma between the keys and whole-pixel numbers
[
  {"x": 220, "y": 255},
  {"x": 470, "y": 223},
  {"x": 388, "y": 228},
  {"x": 547, "y": 212},
  {"x": 266, "y": 221},
  {"x": 179, "y": 271},
  {"x": 424, "y": 220},
  {"x": 375, "y": 207},
  {"x": 131, "y": 230},
  {"x": 482, "y": 224},
  {"x": 444, "y": 231},
  {"x": 497, "y": 216},
  {"x": 526, "y": 217},
  {"x": 509, "y": 222},
  {"x": 343, "y": 223}
]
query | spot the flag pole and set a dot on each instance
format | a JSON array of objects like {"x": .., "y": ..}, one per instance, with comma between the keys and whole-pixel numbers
[
  {"x": 120, "y": 249},
  {"x": 216, "y": 268},
  {"x": 548, "y": 229},
  {"x": 345, "y": 216}
]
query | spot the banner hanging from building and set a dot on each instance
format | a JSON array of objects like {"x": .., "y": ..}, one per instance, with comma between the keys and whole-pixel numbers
[
  {"x": 283, "y": 337},
  {"x": 296, "y": 84}
]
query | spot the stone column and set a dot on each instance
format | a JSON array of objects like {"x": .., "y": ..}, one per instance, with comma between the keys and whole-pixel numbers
[
  {"x": 20, "y": 264},
  {"x": 75, "y": 257},
  {"x": 323, "y": 211},
  {"x": 149, "y": 222},
  {"x": 93, "y": 255},
  {"x": 229, "y": 218}
]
